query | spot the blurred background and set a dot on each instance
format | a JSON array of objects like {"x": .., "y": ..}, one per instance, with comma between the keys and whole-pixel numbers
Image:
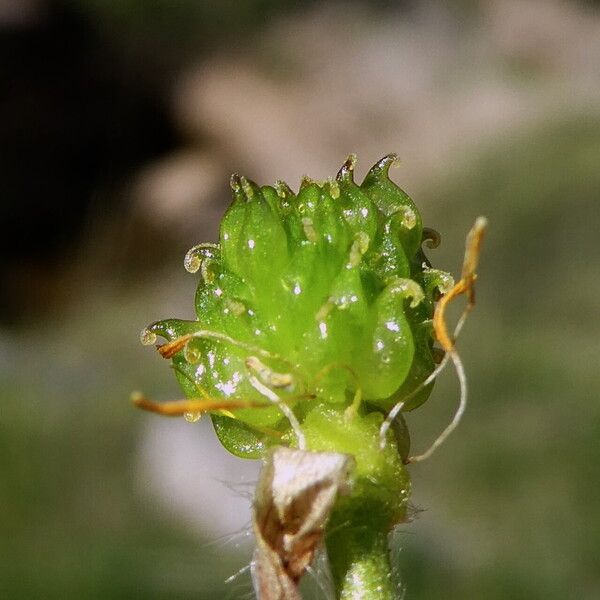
[{"x": 120, "y": 122}]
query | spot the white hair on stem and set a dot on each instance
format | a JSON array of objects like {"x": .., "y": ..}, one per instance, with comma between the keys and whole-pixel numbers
[
  {"x": 238, "y": 573},
  {"x": 320, "y": 574}
]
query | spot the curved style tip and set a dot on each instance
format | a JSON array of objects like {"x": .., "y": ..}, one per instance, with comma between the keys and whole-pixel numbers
[
  {"x": 382, "y": 166},
  {"x": 407, "y": 288},
  {"x": 198, "y": 256},
  {"x": 248, "y": 187},
  {"x": 346, "y": 172},
  {"x": 431, "y": 238},
  {"x": 235, "y": 183},
  {"x": 305, "y": 181},
  {"x": 283, "y": 189},
  {"x": 147, "y": 337},
  {"x": 379, "y": 172},
  {"x": 191, "y": 261},
  {"x": 334, "y": 188}
]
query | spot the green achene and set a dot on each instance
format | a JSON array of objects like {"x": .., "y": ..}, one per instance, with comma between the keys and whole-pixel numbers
[{"x": 314, "y": 318}]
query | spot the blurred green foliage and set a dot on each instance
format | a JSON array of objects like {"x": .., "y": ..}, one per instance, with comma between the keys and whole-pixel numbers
[
  {"x": 74, "y": 521},
  {"x": 183, "y": 25}
]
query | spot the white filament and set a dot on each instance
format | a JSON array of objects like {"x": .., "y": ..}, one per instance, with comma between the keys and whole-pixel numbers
[{"x": 270, "y": 395}]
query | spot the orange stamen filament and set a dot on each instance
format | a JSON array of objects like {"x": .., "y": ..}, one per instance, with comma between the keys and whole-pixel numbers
[
  {"x": 464, "y": 286},
  {"x": 176, "y": 408}
]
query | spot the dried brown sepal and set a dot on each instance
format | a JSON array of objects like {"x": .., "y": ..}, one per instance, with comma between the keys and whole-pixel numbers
[{"x": 294, "y": 497}]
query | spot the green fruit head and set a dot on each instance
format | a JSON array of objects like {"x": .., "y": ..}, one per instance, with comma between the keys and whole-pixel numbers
[{"x": 311, "y": 299}]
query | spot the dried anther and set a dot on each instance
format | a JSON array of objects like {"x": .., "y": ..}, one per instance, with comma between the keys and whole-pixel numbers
[
  {"x": 177, "y": 408},
  {"x": 466, "y": 285},
  {"x": 172, "y": 348}
]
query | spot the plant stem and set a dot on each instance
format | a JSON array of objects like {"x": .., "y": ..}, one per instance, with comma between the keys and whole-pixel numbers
[
  {"x": 360, "y": 564},
  {"x": 356, "y": 535}
]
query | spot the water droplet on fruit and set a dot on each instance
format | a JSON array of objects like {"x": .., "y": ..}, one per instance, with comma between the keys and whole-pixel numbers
[{"x": 192, "y": 355}]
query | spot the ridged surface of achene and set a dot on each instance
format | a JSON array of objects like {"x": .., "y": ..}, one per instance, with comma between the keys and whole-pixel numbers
[{"x": 315, "y": 296}]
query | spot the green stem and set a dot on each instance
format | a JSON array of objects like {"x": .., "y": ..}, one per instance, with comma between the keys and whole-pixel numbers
[
  {"x": 360, "y": 564},
  {"x": 356, "y": 535}
]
